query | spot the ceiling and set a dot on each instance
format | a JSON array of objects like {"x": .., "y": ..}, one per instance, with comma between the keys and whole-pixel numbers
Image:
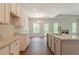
[{"x": 49, "y": 9}]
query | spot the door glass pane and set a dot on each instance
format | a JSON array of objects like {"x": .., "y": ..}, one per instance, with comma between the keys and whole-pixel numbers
[
  {"x": 46, "y": 29},
  {"x": 35, "y": 27},
  {"x": 55, "y": 26},
  {"x": 74, "y": 27}
]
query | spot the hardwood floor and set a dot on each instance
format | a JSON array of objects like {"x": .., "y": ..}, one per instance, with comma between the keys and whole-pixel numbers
[{"x": 37, "y": 46}]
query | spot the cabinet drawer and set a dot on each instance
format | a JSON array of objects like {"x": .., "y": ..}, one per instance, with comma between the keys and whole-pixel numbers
[
  {"x": 4, "y": 50},
  {"x": 14, "y": 45}
]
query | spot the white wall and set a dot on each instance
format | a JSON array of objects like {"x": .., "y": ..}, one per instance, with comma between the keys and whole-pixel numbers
[{"x": 65, "y": 21}]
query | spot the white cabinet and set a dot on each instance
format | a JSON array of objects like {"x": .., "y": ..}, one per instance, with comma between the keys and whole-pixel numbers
[
  {"x": 24, "y": 41},
  {"x": 57, "y": 46},
  {"x": 13, "y": 9},
  {"x": 5, "y": 13},
  {"x": 17, "y": 17},
  {"x": 18, "y": 10},
  {"x": 2, "y": 9},
  {"x": 10, "y": 49},
  {"x": 4, "y": 50},
  {"x": 19, "y": 22},
  {"x": 16, "y": 51},
  {"x": 48, "y": 40},
  {"x": 14, "y": 48},
  {"x": 66, "y": 47},
  {"x": 64, "y": 44},
  {"x": 52, "y": 43}
]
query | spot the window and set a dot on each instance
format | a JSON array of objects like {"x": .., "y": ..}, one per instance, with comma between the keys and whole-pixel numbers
[
  {"x": 55, "y": 27},
  {"x": 35, "y": 27},
  {"x": 74, "y": 27},
  {"x": 46, "y": 29}
]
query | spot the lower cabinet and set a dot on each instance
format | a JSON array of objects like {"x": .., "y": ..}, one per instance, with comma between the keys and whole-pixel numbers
[
  {"x": 66, "y": 47},
  {"x": 49, "y": 40},
  {"x": 14, "y": 48},
  {"x": 10, "y": 49},
  {"x": 57, "y": 47},
  {"x": 4, "y": 50},
  {"x": 52, "y": 44},
  {"x": 61, "y": 46},
  {"x": 15, "y": 51},
  {"x": 24, "y": 41}
]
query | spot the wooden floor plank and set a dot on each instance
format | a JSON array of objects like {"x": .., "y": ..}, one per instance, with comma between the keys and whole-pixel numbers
[{"x": 37, "y": 46}]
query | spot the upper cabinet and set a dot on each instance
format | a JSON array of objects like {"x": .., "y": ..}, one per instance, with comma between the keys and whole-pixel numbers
[
  {"x": 15, "y": 10},
  {"x": 11, "y": 13},
  {"x": 5, "y": 13},
  {"x": 19, "y": 22},
  {"x": 2, "y": 13},
  {"x": 17, "y": 18},
  {"x": 18, "y": 11},
  {"x": 13, "y": 7}
]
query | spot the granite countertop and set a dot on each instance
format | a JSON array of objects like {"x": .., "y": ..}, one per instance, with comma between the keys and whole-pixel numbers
[
  {"x": 67, "y": 37},
  {"x": 19, "y": 33}
]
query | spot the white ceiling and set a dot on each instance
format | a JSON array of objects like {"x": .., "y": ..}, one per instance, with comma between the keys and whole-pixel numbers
[{"x": 49, "y": 9}]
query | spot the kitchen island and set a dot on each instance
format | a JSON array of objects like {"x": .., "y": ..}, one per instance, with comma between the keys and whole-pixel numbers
[{"x": 64, "y": 44}]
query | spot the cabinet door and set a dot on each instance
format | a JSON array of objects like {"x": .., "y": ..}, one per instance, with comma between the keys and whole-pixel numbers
[
  {"x": 16, "y": 51},
  {"x": 52, "y": 44},
  {"x": 49, "y": 40},
  {"x": 27, "y": 40},
  {"x": 19, "y": 22},
  {"x": 7, "y": 13},
  {"x": 18, "y": 10},
  {"x": 14, "y": 48},
  {"x": 4, "y": 50},
  {"x": 13, "y": 8},
  {"x": 2, "y": 13},
  {"x": 58, "y": 46},
  {"x": 23, "y": 41},
  {"x": 14, "y": 45},
  {"x": 22, "y": 20}
]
